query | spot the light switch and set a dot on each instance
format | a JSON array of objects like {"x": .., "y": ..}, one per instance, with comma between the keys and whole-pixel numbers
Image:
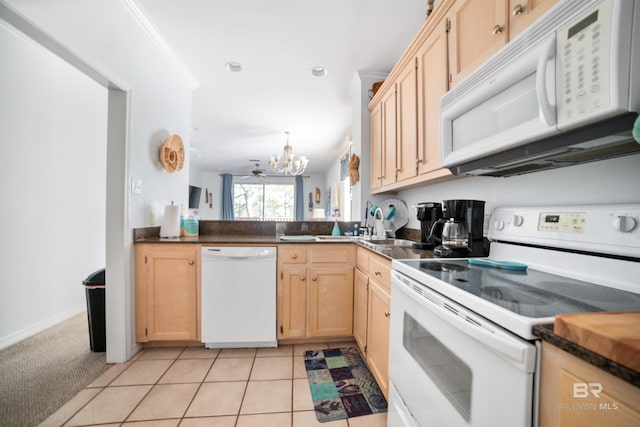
[{"x": 136, "y": 186}]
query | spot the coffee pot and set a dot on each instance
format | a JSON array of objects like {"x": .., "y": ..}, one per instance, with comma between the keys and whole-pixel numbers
[
  {"x": 428, "y": 213},
  {"x": 461, "y": 235}
]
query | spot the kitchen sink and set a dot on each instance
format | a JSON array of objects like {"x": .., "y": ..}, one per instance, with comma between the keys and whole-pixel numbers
[
  {"x": 336, "y": 238},
  {"x": 386, "y": 242}
]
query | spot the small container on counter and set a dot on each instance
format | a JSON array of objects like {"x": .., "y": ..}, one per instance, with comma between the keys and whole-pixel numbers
[{"x": 191, "y": 227}]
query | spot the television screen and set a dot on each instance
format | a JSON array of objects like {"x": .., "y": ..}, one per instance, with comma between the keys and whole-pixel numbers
[{"x": 194, "y": 197}]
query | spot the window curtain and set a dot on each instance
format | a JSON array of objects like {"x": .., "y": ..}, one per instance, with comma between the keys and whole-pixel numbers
[
  {"x": 344, "y": 167},
  {"x": 299, "y": 199},
  {"x": 227, "y": 197}
]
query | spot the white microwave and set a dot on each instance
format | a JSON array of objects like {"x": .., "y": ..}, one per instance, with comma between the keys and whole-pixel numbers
[{"x": 565, "y": 91}]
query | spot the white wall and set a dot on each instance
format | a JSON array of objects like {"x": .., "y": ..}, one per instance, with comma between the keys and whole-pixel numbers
[
  {"x": 53, "y": 178},
  {"x": 211, "y": 181},
  {"x": 157, "y": 93},
  {"x": 606, "y": 181}
]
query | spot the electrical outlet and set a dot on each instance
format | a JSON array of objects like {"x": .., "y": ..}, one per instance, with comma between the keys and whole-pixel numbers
[{"x": 486, "y": 223}]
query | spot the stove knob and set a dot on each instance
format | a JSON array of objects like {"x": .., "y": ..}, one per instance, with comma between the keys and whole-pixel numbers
[
  {"x": 518, "y": 220},
  {"x": 624, "y": 223},
  {"x": 499, "y": 224}
]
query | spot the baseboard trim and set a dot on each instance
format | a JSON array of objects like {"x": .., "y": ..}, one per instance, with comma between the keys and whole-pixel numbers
[{"x": 40, "y": 326}]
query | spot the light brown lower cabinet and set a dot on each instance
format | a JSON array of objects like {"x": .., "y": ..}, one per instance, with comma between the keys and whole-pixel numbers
[
  {"x": 378, "y": 334},
  {"x": 315, "y": 290},
  {"x": 574, "y": 393},
  {"x": 166, "y": 286},
  {"x": 371, "y": 313}
]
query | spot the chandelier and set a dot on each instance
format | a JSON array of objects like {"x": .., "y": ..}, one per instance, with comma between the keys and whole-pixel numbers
[{"x": 289, "y": 165}]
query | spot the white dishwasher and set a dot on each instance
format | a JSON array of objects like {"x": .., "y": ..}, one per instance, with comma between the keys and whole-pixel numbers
[{"x": 238, "y": 296}]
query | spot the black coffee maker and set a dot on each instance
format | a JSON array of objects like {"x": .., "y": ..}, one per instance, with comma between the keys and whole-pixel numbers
[
  {"x": 459, "y": 232},
  {"x": 428, "y": 213}
]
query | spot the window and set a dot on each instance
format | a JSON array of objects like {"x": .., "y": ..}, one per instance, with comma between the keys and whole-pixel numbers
[{"x": 268, "y": 201}]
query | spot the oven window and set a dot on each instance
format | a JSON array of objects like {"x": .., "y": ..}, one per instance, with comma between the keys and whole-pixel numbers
[{"x": 450, "y": 374}]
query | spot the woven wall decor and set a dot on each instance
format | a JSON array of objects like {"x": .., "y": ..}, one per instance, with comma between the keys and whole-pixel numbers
[{"x": 172, "y": 154}]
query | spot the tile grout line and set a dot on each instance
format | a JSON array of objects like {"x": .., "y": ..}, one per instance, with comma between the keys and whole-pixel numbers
[
  {"x": 199, "y": 387},
  {"x": 152, "y": 385}
]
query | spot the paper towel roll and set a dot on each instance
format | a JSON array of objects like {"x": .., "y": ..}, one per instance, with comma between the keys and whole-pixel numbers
[{"x": 170, "y": 221}]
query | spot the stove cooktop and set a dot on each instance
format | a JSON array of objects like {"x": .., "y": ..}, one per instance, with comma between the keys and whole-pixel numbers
[
  {"x": 532, "y": 296},
  {"x": 530, "y": 293}
]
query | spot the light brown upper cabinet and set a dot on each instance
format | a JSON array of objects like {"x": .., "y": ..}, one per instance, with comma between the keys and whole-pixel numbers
[
  {"x": 432, "y": 84},
  {"x": 407, "y": 115},
  {"x": 376, "y": 147},
  {"x": 522, "y": 13},
  {"x": 389, "y": 138},
  {"x": 477, "y": 30},
  {"x": 384, "y": 139}
]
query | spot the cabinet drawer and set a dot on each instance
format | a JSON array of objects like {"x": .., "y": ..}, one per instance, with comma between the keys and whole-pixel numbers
[
  {"x": 336, "y": 254},
  {"x": 380, "y": 270},
  {"x": 292, "y": 254},
  {"x": 362, "y": 259}
]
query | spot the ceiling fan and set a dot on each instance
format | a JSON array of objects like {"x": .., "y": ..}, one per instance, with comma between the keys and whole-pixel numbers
[{"x": 257, "y": 172}]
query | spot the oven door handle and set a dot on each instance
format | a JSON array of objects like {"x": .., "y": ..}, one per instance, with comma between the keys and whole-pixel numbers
[{"x": 514, "y": 350}]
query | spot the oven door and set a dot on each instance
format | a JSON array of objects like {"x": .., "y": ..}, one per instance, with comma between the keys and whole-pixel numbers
[{"x": 451, "y": 367}]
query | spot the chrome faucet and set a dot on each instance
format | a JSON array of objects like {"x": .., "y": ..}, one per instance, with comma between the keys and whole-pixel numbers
[{"x": 379, "y": 231}]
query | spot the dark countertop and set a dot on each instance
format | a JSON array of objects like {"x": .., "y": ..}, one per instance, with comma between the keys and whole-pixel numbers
[
  {"x": 263, "y": 233},
  {"x": 545, "y": 332}
]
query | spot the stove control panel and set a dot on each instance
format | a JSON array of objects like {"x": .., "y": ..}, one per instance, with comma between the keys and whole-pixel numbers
[
  {"x": 563, "y": 222},
  {"x": 606, "y": 229}
]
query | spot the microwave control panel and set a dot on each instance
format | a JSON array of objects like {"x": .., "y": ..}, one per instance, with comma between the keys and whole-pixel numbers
[{"x": 583, "y": 59}]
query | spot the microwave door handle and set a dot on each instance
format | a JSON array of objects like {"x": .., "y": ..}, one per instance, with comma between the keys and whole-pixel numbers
[{"x": 546, "y": 108}]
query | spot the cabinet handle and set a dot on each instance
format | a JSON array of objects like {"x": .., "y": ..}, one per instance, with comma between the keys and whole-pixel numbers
[
  {"x": 302, "y": 278},
  {"x": 314, "y": 278},
  {"x": 294, "y": 256},
  {"x": 387, "y": 314},
  {"x": 497, "y": 29},
  {"x": 377, "y": 273},
  {"x": 190, "y": 262},
  {"x": 517, "y": 10}
]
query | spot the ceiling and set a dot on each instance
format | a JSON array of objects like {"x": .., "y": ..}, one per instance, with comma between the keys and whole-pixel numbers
[{"x": 241, "y": 116}]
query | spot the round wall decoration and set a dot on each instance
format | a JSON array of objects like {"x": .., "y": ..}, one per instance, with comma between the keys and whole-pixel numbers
[{"x": 172, "y": 154}]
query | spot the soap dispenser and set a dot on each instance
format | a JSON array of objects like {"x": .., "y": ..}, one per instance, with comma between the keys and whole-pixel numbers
[{"x": 336, "y": 229}]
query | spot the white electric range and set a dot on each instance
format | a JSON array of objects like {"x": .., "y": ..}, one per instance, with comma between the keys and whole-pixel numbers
[{"x": 462, "y": 349}]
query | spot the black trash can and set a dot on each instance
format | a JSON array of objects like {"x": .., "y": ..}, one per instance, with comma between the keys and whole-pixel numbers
[{"x": 94, "y": 288}]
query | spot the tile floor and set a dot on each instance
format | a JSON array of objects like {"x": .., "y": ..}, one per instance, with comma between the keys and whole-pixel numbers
[{"x": 194, "y": 386}]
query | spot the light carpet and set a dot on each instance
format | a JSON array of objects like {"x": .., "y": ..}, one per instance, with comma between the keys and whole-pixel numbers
[{"x": 41, "y": 373}]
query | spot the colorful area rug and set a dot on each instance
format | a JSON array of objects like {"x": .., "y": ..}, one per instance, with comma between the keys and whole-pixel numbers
[{"x": 341, "y": 384}]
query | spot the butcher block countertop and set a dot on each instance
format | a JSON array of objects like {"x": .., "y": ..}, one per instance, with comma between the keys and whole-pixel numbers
[
  {"x": 608, "y": 340},
  {"x": 614, "y": 335}
]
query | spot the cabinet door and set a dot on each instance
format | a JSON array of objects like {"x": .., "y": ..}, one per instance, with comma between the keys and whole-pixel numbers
[
  {"x": 523, "y": 13},
  {"x": 477, "y": 31},
  {"x": 170, "y": 295},
  {"x": 615, "y": 403},
  {"x": 407, "y": 122},
  {"x": 432, "y": 84},
  {"x": 293, "y": 302},
  {"x": 378, "y": 335},
  {"x": 331, "y": 301},
  {"x": 360, "y": 301},
  {"x": 389, "y": 135},
  {"x": 376, "y": 146}
]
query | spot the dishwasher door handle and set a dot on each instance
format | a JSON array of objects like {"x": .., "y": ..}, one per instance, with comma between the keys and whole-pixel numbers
[{"x": 236, "y": 257}]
